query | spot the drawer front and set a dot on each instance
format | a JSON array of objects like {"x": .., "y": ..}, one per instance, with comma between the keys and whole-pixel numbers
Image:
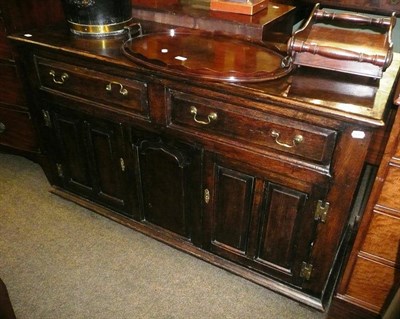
[
  {"x": 372, "y": 282},
  {"x": 5, "y": 48},
  {"x": 397, "y": 153},
  {"x": 11, "y": 91},
  {"x": 389, "y": 195},
  {"x": 383, "y": 237},
  {"x": 16, "y": 130},
  {"x": 124, "y": 94},
  {"x": 253, "y": 128}
]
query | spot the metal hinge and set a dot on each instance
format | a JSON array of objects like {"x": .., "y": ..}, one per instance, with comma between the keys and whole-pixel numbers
[
  {"x": 321, "y": 211},
  {"x": 46, "y": 118},
  {"x": 60, "y": 171},
  {"x": 122, "y": 164},
  {"x": 306, "y": 270},
  {"x": 206, "y": 196}
]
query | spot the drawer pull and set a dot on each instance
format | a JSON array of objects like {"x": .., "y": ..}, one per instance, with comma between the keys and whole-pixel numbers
[
  {"x": 211, "y": 117},
  {"x": 2, "y": 127},
  {"x": 64, "y": 77},
  {"x": 296, "y": 140},
  {"x": 122, "y": 90}
]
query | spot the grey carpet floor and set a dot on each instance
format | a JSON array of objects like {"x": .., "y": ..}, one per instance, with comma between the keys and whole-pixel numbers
[{"x": 60, "y": 260}]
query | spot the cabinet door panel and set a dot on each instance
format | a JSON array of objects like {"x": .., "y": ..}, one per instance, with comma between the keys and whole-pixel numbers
[
  {"x": 233, "y": 207},
  {"x": 171, "y": 185},
  {"x": 256, "y": 220},
  {"x": 75, "y": 164},
  {"x": 287, "y": 230},
  {"x": 279, "y": 225},
  {"x": 90, "y": 159},
  {"x": 107, "y": 162}
]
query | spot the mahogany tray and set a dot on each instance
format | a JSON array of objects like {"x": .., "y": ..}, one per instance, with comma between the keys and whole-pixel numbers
[{"x": 206, "y": 55}]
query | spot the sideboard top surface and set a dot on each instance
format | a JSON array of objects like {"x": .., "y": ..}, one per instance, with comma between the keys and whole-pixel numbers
[{"x": 335, "y": 95}]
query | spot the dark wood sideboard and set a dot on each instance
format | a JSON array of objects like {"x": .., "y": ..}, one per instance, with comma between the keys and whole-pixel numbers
[
  {"x": 123, "y": 140},
  {"x": 225, "y": 192}
]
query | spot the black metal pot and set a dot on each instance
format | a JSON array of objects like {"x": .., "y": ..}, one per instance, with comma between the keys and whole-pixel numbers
[{"x": 98, "y": 17}]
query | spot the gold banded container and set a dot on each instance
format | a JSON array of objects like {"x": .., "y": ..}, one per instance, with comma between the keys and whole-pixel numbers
[{"x": 98, "y": 18}]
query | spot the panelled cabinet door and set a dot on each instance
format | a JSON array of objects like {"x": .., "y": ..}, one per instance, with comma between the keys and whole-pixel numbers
[
  {"x": 72, "y": 165},
  {"x": 90, "y": 158},
  {"x": 170, "y": 175},
  {"x": 258, "y": 221},
  {"x": 109, "y": 167}
]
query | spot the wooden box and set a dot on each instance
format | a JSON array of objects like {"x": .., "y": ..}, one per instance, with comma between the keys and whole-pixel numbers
[{"x": 242, "y": 7}]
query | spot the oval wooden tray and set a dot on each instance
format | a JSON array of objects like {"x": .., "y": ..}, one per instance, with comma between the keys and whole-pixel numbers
[{"x": 206, "y": 56}]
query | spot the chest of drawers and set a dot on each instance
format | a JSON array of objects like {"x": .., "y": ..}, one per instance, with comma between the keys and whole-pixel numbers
[{"x": 17, "y": 133}]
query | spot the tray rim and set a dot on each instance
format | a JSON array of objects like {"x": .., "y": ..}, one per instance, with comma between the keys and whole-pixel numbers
[{"x": 206, "y": 73}]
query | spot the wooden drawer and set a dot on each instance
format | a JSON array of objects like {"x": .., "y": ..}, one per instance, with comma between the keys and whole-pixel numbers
[
  {"x": 5, "y": 48},
  {"x": 389, "y": 196},
  {"x": 112, "y": 91},
  {"x": 11, "y": 91},
  {"x": 383, "y": 237},
  {"x": 397, "y": 153},
  {"x": 16, "y": 130},
  {"x": 251, "y": 127},
  {"x": 371, "y": 282}
]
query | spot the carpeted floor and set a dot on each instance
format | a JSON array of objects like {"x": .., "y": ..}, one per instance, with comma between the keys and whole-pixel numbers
[{"x": 59, "y": 261}]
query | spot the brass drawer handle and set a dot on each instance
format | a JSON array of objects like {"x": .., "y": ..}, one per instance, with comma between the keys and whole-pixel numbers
[
  {"x": 64, "y": 77},
  {"x": 210, "y": 117},
  {"x": 122, "y": 90},
  {"x": 2, "y": 127},
  {"x": 298, "y": 139}
]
